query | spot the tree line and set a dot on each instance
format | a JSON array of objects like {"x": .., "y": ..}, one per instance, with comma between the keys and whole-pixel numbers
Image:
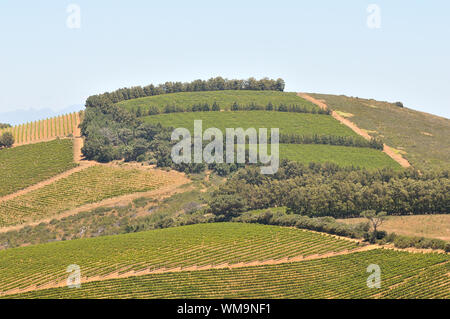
[
  {"x": 321, "y": 190},
  {"x": 4, "y": 125},
  {"x": 206, "y": 107},
  {"x": 213, "y": 84},
  {"x": 353, "y": 141}
]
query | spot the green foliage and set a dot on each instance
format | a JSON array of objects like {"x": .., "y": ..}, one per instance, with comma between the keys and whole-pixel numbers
[
  {"x": 26, "y": 165},
  {"x": 6, "y": 140},
  {"x": 328, "y": 190}
]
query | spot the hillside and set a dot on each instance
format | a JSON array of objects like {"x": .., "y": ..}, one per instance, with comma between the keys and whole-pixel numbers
[
  {"x": 109, "y": 199},
  {"x": 420, "y": 137}
]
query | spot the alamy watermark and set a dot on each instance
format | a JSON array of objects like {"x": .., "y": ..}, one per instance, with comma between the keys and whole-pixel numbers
[
  {"x": 374, "y": 280},
  {"x": 73, "y": 20},
  {"x": 214, "y": 151},
  {"x": 374, "y": 17},
  {"x": 74, "y": 279}
]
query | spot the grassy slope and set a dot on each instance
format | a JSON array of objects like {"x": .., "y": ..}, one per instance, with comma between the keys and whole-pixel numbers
[
  {"x": 429, "y": 226},
  {"x": 224, "y": 98},
  {"x": 201, "y": 244},
  {"x": 424, "y": 137},
  {"x": 336, "y": 277},
  {"x": 26, "y": 165}
]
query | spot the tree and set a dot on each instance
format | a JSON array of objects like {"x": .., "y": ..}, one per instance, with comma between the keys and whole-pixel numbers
[
  {"x": 6, "y": 140},
  {"x": 376, "y": 219},
  {"x": 215, "y": 106}
]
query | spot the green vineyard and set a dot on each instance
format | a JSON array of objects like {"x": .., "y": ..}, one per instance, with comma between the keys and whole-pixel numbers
[
  {"x": 90, "y": 185},
  {"x": 44, "y": 130},
  {"x": 195, "y": 245},
  {"x": 224, "y": 99},
  {"x": 36, "y": 163},
  {"x": 288, "y": 123},
  {"x": 341, "y": 155},
  {"x": 404, "y": 274}
]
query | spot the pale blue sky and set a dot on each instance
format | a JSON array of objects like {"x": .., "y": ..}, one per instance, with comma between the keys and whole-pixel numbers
[{"x": 316, "y": 46}]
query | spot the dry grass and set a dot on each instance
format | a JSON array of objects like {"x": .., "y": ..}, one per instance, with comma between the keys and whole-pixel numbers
[{"x": 430, "y": 226}]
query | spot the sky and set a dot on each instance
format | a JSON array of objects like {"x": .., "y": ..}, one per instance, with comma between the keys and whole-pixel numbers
[{"x": 51, "y": 61}]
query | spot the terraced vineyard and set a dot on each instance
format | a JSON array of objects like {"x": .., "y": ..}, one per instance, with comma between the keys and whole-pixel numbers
[
  {"x": 402, "y": 274},
  {"x": 341, "y": 155},
  {"x": 225, "y": 99},
  {"x": 195, "y": 245},
  {"x": 26, "y": 165},
  {"x": 288, "y": 123},
  {"x": 61, "y": 126},
  {"x": 88, "y": 186}
]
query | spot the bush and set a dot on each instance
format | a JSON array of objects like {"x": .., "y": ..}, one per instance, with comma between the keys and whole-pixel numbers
[
  {"x": 399, "y": 104},
  {"x": 6, "y": 140}
]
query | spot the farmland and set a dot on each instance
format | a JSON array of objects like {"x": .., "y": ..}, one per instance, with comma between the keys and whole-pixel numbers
[
  {"x": 195, "y": 245},
  {"x": 404, "y": 275},
  {"x": 341, "y": 155},
  {"x": 90, "y": 185},
  {"x": 44, "y": 130},
  {"x": 26, "y": 165},
  {"x": 288, "y": 123},
  {"x": 225, "y": 99}
]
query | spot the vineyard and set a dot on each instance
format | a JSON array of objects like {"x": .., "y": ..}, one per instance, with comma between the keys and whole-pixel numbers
[
  {"x": 44, "y": 130},
  {"x": 224, "y": 99},
  {"x": 341, "y": 155},
  {"x": 288, "y": 123},
  {"x": 90, "y": 185},
  {"x": 403, "y": 274},
  {"x": 195, "y": 245},
  {"x": 26, "y": 165}
]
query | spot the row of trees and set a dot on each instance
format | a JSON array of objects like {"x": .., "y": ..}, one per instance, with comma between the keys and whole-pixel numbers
[
  {"x": 353, "y": 141},
  {"x": 326, "y": 190},
  {"x": 6, "y": 140},
  {"x": 213, "y": 84},
  {"x": 206, "y": 107}
]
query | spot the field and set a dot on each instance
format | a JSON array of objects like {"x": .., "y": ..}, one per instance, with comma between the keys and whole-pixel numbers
[
  {"x": 186, "y": 246},
  {"x": 44, "y": 130},
  {"x": 428, "y": 226},
  {"x": 90, "y": 185},
  {"x": 403, "y": 275},
  {"x": 288, "y": 123},
  {"x": 26, "y": 165},
  {"x": 420, "y": 137},
  {"x": 225, "y": 99},
  {"x": 341, "y": 155}
]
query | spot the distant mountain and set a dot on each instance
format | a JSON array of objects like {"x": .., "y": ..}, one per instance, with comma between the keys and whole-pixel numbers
[{"x": 30, "y": 115}]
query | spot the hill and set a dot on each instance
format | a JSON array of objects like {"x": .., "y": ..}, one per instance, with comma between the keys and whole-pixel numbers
[{"x": 420, "y": 137}]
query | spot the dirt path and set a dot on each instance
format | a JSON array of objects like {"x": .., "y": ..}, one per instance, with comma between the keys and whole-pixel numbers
[
  {"x": 120, "y": 274},
  {"x": 386, "y": 149}
]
